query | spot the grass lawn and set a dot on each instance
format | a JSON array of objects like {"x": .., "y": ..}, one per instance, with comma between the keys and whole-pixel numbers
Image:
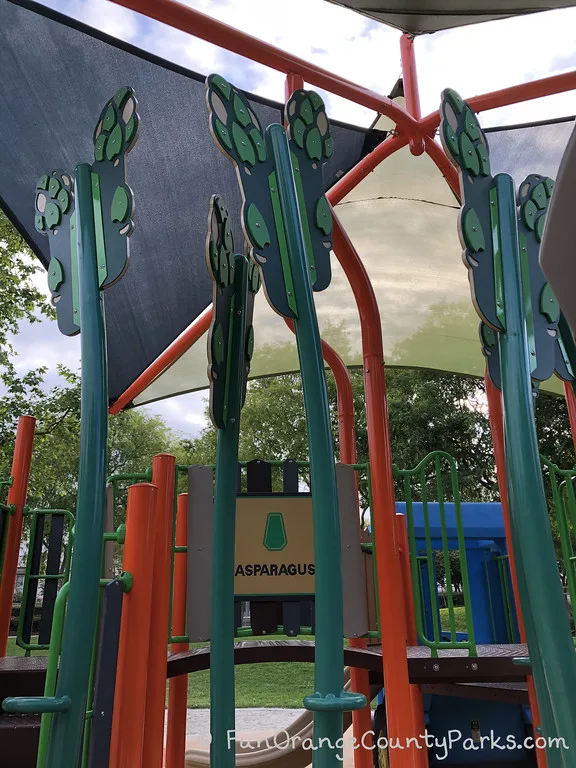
[
  {"x": 259, "y": 685},
  {"x": 459, "y": 617}
]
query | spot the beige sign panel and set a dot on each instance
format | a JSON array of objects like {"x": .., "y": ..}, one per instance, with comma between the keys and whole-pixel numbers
[{"x": 274, "y": 546}]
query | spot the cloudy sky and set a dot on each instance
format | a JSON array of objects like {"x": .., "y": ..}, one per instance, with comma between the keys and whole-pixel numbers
[{"x": 514, "y": 51}]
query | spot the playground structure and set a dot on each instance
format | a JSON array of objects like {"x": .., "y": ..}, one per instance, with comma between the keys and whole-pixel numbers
[{"x": 103, "y": 702}]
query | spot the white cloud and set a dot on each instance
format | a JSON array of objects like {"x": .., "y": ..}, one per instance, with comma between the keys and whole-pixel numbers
[
  {"x": 184, "y": 414},
  {"x": 499, "y": 54}
]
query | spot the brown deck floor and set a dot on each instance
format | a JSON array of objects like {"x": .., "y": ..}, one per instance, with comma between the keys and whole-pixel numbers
[{"x": 494, "y": 663}]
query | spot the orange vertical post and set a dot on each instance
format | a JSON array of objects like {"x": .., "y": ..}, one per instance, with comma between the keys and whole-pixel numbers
[
  {"x": 17, "y": 496},
  {"x": 127, "y": 743},
  {"x": 497, "y": 430},
  {"x": 410, "y": 84},
  {"x": 163, "y": 477},
  {"x": 571, "y": 405},
  {"x": 178, "y": 686},
  {"x": 412, "y": 635}
]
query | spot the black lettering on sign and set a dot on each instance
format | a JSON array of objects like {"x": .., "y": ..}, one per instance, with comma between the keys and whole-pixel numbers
[{"x": 273, "y": 569}]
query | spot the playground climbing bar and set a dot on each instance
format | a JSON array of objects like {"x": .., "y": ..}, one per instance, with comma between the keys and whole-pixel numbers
[
  {"x": 16, "y": 498},
  {"x": 127, "y": 745},
  {"x": 163, "y": 478},
  {"x": 178, "y": 686}
]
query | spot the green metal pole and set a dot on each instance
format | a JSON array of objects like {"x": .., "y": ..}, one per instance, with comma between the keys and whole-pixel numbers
[
  {"x": 329, "y": 701},
  {"x": 81, "y": 615},
  {"x": 222, "y": 720},
  {"x": 547, "y": 628},
  {"x": 52, "y": 670}
]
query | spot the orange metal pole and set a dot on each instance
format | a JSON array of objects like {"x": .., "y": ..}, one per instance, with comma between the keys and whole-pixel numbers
[
  {"x": 354, "y": 176},
  {"x": 180, "y": 345},
  {"x": 293, "y": 83},
  {"x": 163, "y": 477},
  {"x": 412, "y": 635},
  {"x": 547, "y": 86},
  {"x": 571, "y": 405},
  {"x": 17, "y": 496},
  {"x": 200, "y": 25},
  {"x": 437, "y": 154},
  {"x": 410, "y": 85},
  {"x": 127, "y": 744},
  {"x": 359, "y": 678},
  {"x": 399, "y": 704},
  {"x": 497, "y": 429},
  {"x": 178, "y": 686}
]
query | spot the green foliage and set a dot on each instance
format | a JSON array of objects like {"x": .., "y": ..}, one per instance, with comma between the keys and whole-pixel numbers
[
  {"x": 19, "y": 298},
  {"x": 427, "y": 412}
]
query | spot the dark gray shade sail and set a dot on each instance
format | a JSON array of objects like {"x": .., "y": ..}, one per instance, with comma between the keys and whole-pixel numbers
[
  {"x": 56, "y": 76},
  {"x": 421, "y": 16}
]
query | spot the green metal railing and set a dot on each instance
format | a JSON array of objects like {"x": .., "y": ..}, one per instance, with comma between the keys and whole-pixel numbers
[
  {"x": 436, "y": 476},
  {"x": 30, "y": 577},
  {"x": 563, "y": 512},
  {"x": 503, "y": 562}
]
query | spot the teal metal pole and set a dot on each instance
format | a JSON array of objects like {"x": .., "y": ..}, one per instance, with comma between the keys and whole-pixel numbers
[
  {"x": 329, "y": 701},
  {"x": 81, "y": 614},
  {"x": 547, "y": 628},
  {"x": 222, "y": 720}
]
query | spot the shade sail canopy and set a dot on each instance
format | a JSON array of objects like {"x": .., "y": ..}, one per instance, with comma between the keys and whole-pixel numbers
[
  {"x": 57, "y": 74},
  {"x": 402, "y": 220},
  {"x": 421, "y": 16}
]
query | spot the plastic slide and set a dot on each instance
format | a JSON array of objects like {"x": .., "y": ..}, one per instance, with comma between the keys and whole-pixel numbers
[{"x": 265, "y": 754}]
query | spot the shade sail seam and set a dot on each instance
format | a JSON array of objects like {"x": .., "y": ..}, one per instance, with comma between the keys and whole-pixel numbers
[{"x": 400, "y": 197}]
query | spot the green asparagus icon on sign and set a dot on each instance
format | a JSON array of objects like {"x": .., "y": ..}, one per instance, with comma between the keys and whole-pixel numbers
[{"x": 115, "y": 135}]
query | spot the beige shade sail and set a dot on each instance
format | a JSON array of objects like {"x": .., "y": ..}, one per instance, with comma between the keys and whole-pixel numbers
[{"x": 402, "y": 219}]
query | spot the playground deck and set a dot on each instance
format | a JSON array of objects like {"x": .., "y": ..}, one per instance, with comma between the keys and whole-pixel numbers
[{"x": 494, "y": 663}]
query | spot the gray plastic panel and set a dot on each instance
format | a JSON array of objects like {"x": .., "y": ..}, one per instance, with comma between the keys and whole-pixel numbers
[{"x": 200, "y": 525}]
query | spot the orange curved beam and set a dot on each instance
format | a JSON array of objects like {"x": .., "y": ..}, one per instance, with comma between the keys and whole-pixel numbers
[
  {"x": 361, "y": 719},
  {"x": 200, "y": 25},
  {"x": 180, "y": 345},
  {"x": 546, "y": 86},
  {"x": 437, "y": 154},
  {"x": 400, "y": 710}
]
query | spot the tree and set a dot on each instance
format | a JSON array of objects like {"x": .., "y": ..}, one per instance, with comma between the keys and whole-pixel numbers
[
  {"x": 134, "y": 437},
  {"x": 428, "y": 411},
  {"x": 19, "y": 300}
]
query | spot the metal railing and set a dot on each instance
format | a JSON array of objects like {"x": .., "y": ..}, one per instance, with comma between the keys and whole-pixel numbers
[
  {"x": 435, "y": 479},
  {"x": 47, "y": 562}
]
